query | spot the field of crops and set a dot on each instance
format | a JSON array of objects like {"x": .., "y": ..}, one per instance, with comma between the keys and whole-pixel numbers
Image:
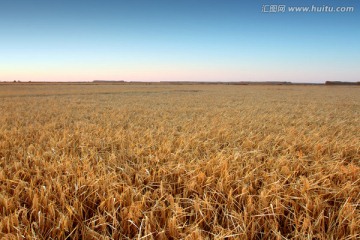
[{"x": 179, "y": 161}]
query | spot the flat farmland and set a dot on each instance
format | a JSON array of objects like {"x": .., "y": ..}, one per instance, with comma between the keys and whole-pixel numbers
[{"x": 166, "y": 161}]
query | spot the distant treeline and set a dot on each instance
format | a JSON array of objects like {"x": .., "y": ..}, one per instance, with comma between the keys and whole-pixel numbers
[
  {"x": 108, "y": 81},
  {"x": 341, "y": 83},
  {"x": 196, "y": 82},
  {"x": 96, "y": 82},
  {"x": 227, "y": 83}
]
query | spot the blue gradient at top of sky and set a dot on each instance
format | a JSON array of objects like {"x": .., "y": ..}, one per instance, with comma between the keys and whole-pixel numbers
[{"x": 174, "y": 40}]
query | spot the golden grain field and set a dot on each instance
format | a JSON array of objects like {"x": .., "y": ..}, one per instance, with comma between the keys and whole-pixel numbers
[{"x": 83, "y": 161}]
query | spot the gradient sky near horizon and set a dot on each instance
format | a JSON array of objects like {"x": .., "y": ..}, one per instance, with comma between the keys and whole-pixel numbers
[{"x": 175, "y": 40}]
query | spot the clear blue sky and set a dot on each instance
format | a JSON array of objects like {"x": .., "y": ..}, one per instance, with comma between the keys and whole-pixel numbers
[{"x": 197, "y": 40}]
